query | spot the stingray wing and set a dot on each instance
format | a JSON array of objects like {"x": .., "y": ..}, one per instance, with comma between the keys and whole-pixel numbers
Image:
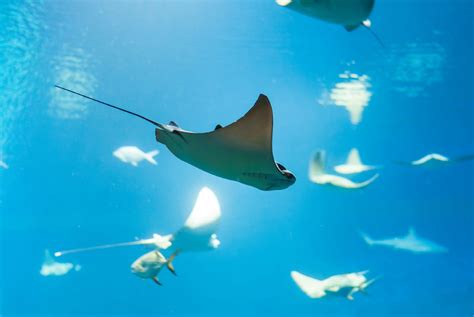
[
  {"x": 254, "y": 130},
  {"x": 312, "y": 287},
  {"x": 198, "y": 232}
]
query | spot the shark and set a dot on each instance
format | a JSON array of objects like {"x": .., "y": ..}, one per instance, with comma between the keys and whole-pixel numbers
[
  {"x": 318, "y": 175},
  {"x": 133, "y": 155},
  {"x": 350, "y": 14},
  {"x": 345, "y": 285},
  {"x": 241, "y": 151},
  {"x": 197, "y": 234},
  {"x": 410, "y": 242},
  {"x": 353, "y": 164}
]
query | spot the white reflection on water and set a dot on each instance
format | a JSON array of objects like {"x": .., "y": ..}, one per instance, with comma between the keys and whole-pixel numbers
[
  {"x": 71, "y": 69},
  {"x": 21, "y": 29},
  {"x": 353, "y": 94},
  {"x": 417, "y": 66}
]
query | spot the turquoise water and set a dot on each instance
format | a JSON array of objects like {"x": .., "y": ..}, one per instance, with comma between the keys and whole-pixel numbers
[{"x": 202, "y": 63}]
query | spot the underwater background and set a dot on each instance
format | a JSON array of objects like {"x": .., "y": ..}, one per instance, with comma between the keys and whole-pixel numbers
[{"x": 202, "y": 63}]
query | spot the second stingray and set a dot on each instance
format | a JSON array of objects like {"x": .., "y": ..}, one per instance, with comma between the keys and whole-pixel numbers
[{"x": 241, "y": 151}]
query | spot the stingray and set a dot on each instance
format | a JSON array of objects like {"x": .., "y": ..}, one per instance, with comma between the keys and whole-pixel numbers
[
  {"x": 241, "y": 151},
  {"x": 349, "y": 13},
  {"x": 353, "y": 164},
  {"x": 318, "y": 175},
  {"x": 52, "y": 267},
  {"x": 197, "y": 234},
  {"x": 342, "y": 284},
  {"x": 435, "y": 160}
]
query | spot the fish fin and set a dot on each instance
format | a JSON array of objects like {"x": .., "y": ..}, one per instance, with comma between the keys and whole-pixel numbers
[
  {"x": 354, "y": 157},
  {"x": 149, "y": 156},
  {"x": 134, "y": 164},
  {"x": 155, "y": 279},
  {"x": 411, "y": 232},
  {"x": 350, "y": 28},
  {"x": 169, "y": 263},
  {"x": 353, "y": 290},
  {"x": 363, "y": 287}
]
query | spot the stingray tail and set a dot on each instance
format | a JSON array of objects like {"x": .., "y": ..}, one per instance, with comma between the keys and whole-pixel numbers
[
  {"x": 112, "y": 106},
  {"x": 151, "y": 241},
  {"x": 149, "y": 156},
  {"x": 367, "y": 25},
  {"x": 366, "y": 238}
]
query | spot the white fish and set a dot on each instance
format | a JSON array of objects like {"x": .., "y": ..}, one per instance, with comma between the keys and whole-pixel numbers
[
  {"x": 318, "y": 176},
  {"x": 342, "y": 285},
  {"x": 241, "y": 151},
  {"x": 51, "y": 267},
  {"x": 353, "y": 164},
  {"x": 133, "y": 155},
  {"x": 410, "y": 242},
  {"x": 197, "y": 234},
  {"x": 3, "y": 164},
  {"x": 348, "y": 13},
  {"x": 149, "y": 265}
]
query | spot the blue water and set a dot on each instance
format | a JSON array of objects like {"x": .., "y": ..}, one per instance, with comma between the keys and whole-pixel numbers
[{"x": 201, "y": 63}]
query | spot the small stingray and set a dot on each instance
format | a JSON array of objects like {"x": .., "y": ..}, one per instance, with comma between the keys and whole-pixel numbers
[
  {"x": 51, "y": 267},
  {"x": 411, "y": 242},
  {"x": 353, "y": 164},
  {"x": 435, "y": 160},
  {"x": 241, "y": 151},
  {"x": 133, "y": 155},
  {"x": 317, "y": 174},
  {"x": 197, "y": 234},
  {"x": 342, "y": 285}
]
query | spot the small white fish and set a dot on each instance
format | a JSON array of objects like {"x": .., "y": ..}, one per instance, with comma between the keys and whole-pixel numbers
[
  {"x": 3, "y": 164},
  {"x": 410, "y": 242},
  {"x": 133, "y": 155},
  {"x": 51, "y": 267},
  {"x": 353, "y": 164},
  {"x": 150, "y": 264},
  {"x": 318, "y": 176},
  {"x": 341, "y": 285}
]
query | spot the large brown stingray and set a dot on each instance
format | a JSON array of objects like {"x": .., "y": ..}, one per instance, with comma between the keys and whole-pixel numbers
[{"x": 241, "y": 151}]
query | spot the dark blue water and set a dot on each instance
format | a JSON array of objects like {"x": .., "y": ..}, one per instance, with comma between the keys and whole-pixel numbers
[{"x": 201, "y": 63}]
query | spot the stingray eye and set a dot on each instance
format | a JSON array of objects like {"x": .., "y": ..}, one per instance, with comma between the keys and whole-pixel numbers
[{"x": 289, "y": 175}]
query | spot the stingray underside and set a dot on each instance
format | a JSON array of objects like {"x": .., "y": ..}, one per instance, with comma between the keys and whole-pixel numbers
[{"x": 241, "y": 151}]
